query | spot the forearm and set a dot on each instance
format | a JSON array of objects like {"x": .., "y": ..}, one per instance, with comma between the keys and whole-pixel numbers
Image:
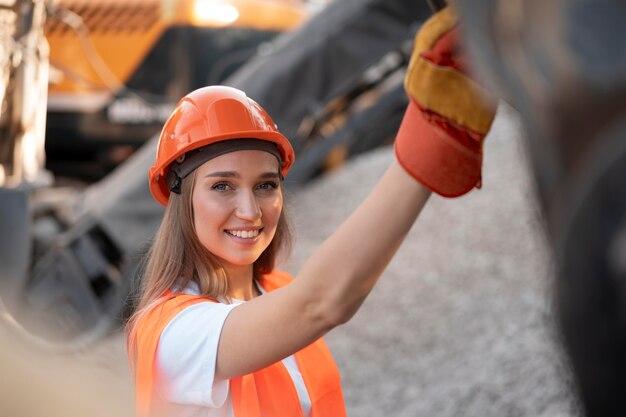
[{"x": 347, "y": 265}]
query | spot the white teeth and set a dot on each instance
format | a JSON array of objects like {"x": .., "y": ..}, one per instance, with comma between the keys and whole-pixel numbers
[{"x": 244, "y": 234}]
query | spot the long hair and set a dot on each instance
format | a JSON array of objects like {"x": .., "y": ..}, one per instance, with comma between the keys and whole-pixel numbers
[{"x": 177, "y": 258}]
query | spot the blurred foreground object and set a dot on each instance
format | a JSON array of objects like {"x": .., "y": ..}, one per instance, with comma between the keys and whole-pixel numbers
[
  {"x": 562, "y": 64},
  {"x": 34, "y": 384}
]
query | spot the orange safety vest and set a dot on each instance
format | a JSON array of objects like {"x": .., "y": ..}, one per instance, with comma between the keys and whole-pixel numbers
[{"x": 268, "y": 392}]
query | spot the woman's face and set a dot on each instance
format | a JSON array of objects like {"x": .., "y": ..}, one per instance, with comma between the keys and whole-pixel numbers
[{"x": 237, "y": 200}]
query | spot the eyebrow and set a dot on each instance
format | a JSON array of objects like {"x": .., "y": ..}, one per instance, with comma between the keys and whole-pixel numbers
[{"x": 233, "y": 174}]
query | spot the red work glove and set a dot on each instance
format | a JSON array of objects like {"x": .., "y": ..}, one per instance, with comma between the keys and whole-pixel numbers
[{"x": 440, "y": 139}]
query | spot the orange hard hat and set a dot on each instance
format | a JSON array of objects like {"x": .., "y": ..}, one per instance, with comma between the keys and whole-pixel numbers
[{"x": 208, "y": 116}]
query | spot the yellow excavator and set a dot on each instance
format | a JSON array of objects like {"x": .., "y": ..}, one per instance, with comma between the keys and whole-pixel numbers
[{"x": 117, "y": 67}]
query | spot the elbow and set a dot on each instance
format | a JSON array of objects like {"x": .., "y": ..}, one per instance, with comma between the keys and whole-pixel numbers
[
  {"x": 340, "y": 318},
  {"x": 325, "y": 316},
  {"x": 334, "y": 303},
  {"x": 336, "y": 313}
]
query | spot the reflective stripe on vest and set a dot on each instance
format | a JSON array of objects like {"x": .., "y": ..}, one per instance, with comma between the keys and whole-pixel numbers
[{"x": 269, "y": 392}]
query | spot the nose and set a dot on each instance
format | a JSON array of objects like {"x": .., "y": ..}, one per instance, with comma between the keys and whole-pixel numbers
[{"x": 248, "y": 207}]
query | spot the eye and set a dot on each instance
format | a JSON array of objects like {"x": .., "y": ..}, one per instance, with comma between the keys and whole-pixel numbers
[
  {"x": 221, "y": 186},
  {"x": 269, "y": 185}
]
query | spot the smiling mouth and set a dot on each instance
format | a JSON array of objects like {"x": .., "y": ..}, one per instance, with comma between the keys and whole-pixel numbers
[{"x": 244, "y": 234}]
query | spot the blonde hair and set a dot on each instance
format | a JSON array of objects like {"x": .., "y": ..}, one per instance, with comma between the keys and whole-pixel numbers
[{"x": 177, "y": 258}]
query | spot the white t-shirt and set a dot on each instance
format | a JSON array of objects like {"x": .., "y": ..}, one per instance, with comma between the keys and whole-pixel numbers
[{"x": 186, "y": 357}]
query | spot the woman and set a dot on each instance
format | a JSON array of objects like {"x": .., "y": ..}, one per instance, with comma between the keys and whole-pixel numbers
[
  {"x": 218, "y": 332},
  {"x": 222, "y": 228}
]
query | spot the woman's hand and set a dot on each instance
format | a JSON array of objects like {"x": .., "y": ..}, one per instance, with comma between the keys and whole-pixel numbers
[{"x": 441, "y": 137}]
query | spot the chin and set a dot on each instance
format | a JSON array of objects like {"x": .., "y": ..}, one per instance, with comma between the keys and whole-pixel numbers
[{"x": 240, "y": 262}]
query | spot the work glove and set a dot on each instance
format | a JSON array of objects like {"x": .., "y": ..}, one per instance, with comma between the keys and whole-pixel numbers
[{"x": 440, "y": 140}]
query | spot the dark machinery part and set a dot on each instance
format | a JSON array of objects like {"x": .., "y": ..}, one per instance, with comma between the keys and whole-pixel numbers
[
  {"x": 591, "y": 288},
  {"x": 370, "y": 128},
  {"x": 74, "y": 291},
  {"x": 316, "y": 82},
  {"x": 562, "y": 65},
  {"x": 79, "y": 287},
  {"x": 363, "y": 118},
  {"x": 15, "y": 246}
]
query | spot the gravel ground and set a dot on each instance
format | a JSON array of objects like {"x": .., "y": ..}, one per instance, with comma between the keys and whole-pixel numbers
[{"x": 459, "y": 325}]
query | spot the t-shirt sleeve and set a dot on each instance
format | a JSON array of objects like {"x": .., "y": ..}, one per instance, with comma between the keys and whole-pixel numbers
[{"x": 186, "y": 356}]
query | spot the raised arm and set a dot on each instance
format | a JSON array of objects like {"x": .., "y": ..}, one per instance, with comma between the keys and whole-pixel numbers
[
  {"x": 348, "y": 264},
  {"x": 439, "y": 144},
  {"x": 331, "y": 285}
]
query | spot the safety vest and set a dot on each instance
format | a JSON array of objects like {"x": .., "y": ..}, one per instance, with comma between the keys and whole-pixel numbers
[{"x": 268, "y": 392}]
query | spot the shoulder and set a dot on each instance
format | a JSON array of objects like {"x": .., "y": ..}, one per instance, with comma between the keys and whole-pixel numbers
[
  {"x": 173, "y": 303},
  {"x": 191, "y": 326},
  {"x": 200, "y": 315},
  {"x": 274, "y": 280},
  {"x": 165, "y": 309}
]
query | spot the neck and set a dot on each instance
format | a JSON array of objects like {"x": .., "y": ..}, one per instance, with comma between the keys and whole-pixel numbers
[{"x": 241, "y": 284}]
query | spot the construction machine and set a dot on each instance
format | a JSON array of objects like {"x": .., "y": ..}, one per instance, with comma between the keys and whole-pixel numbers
[{"x": 119, "y": 66}]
